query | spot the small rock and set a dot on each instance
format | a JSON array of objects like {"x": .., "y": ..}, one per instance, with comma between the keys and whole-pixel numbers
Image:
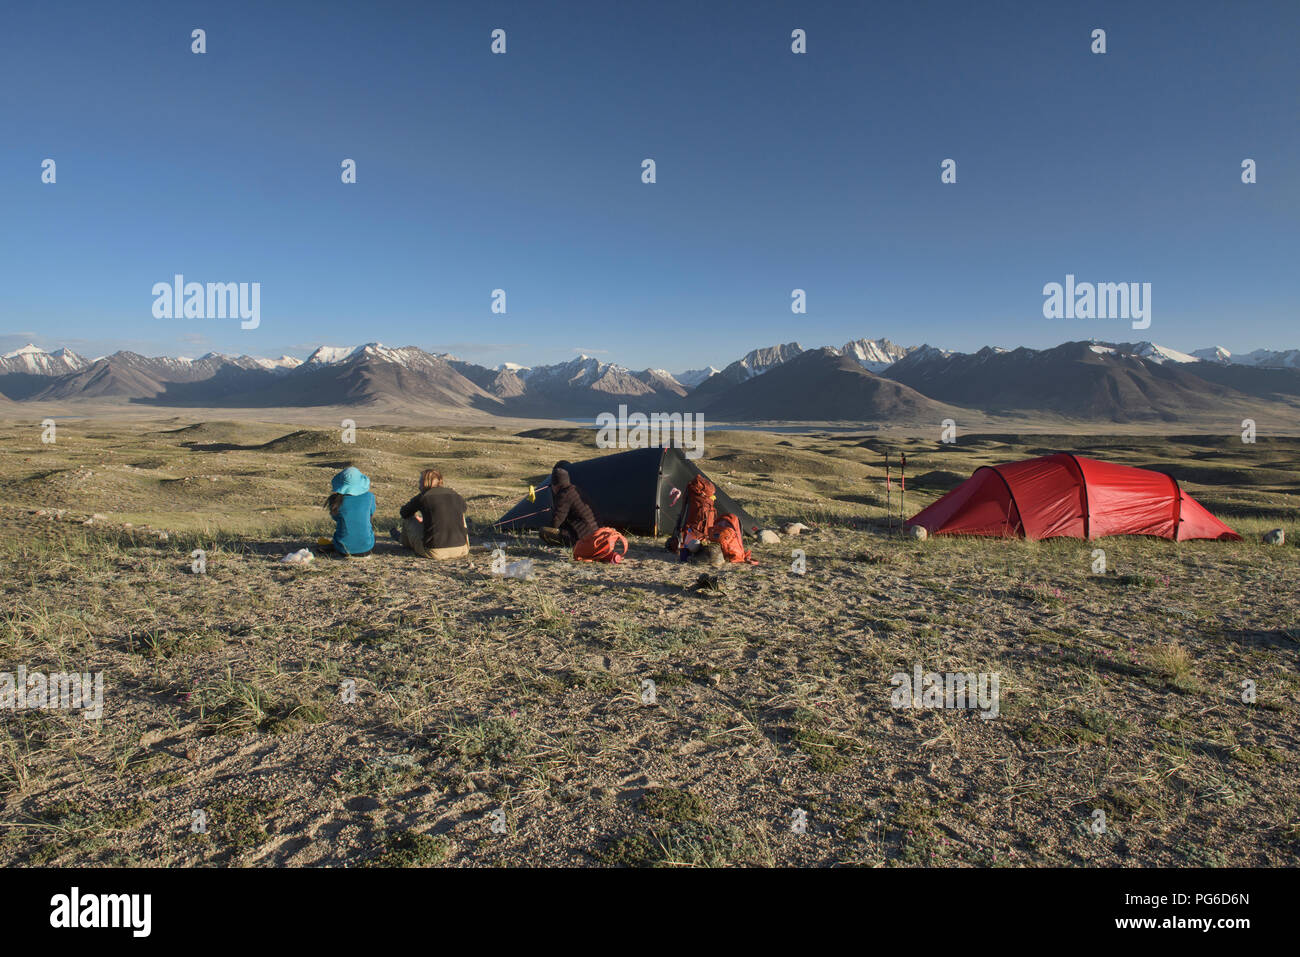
[
  {"x": 794, "y": 528},
  {"x": 1275, "y": 537},
  {"x": 769, "y": 537},
  {"x": 919, "y": 533}
]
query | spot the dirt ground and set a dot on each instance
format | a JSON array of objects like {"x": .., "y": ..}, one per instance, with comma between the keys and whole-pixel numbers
[{"x": 393, "y": 711}]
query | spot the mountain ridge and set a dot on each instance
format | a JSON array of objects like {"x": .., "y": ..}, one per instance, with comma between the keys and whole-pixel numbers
[{"x": 1085, "y": 379}]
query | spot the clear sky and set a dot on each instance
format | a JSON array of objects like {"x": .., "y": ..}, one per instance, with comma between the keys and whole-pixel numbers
[{"x": 523, "y": 172}]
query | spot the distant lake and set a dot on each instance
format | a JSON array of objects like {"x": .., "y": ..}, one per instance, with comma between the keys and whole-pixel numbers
[{"x": 785, "y": 429}]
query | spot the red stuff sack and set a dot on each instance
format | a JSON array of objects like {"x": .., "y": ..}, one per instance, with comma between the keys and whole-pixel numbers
[
  {"x": 726, "y": 532},
  {"x": 600, "y": 546}
]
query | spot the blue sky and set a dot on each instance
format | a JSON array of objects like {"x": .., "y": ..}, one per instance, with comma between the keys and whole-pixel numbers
[{"x": 523, "y": 172}]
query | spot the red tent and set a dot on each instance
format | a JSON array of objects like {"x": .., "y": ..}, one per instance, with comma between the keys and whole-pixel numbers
[{"x": 1071, "y": 496}]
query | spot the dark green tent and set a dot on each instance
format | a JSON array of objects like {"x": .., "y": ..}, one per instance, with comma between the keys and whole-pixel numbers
[{"x": 642, "y": 491}]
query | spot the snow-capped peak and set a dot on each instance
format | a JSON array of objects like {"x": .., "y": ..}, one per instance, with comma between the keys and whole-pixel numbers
[
  {"x": 693, "y": 377},
  {"x": 408, "y": 356},
  {"x": 1149, "y": 351},
  {"x": 758, "y": 361},
  {"x": 27, "y": 350},
  {"x": 1270, "y": 358},
  {"x": 327, "y": 355},
  {"x": 874, "y": 355},
  {"x": 1263, "y": 358},
  {"x": 34, "y": 360},
  {"x": 1161, "y": 354},
  {"x": 284, "y": 362}
]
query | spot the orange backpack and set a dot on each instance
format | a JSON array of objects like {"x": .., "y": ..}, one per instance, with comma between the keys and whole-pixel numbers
[
  {"x": 726, "y": 532},
  {"x": 700, "y": 510},
  {"x": 600, "y": 546}
]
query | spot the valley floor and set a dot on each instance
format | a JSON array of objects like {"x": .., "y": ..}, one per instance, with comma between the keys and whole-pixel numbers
[{"x": 502, "y": 721}]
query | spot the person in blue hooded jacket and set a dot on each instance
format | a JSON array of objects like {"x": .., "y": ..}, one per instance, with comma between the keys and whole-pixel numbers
[{"x": 351, "y": 504}]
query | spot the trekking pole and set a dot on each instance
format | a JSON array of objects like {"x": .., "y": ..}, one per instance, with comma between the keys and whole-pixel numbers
[
  {"x": 889, "y": 513},
  {"x": 902, "y": 490}
]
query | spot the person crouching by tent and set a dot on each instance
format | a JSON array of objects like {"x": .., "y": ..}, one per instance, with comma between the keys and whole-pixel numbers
[
  {"x": 574, "y": 524},
  {"x": 571, "y": 516},
  {"x": 351, "y": 504},
  {"x": 582, "y": 493},
  {"x": 433, "y": 522}
]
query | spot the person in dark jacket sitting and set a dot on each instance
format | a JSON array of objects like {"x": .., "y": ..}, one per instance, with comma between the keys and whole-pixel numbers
[
  {"x": 571, "y": 516},
  {"x": 433, "y": 523}
]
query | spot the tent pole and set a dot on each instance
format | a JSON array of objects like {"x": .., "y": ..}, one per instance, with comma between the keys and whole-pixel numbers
[{"x": 520, "y": 518}]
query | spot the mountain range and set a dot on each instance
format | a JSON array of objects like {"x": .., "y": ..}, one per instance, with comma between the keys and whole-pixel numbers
[{"x": 865, "y": 380}]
